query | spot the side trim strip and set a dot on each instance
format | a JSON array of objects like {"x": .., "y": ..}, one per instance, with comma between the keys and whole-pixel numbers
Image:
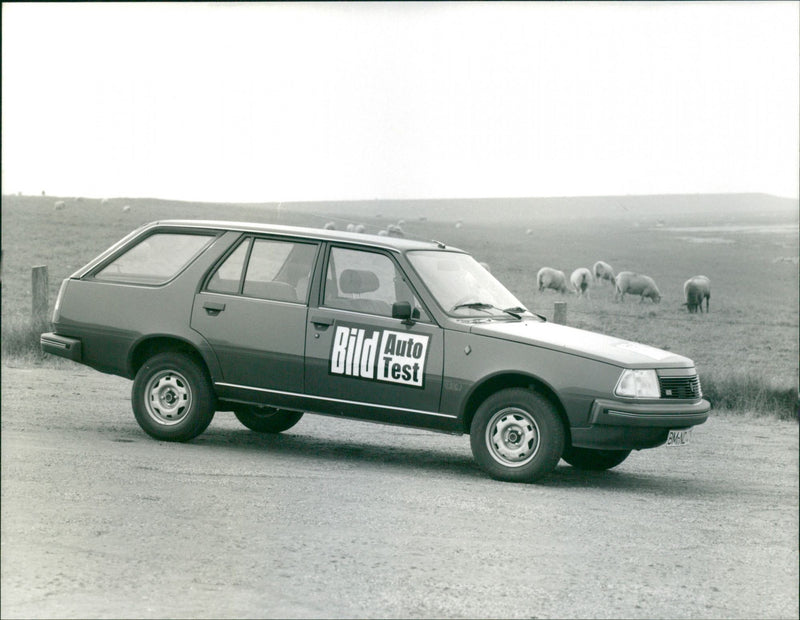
[
  {"x": 335, "y": 400},
  {"x": 644, "y": 416}
]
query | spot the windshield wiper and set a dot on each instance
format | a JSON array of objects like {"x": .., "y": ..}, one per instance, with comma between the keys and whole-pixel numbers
[
  {"x": 515, "y": 311},
  {"x": 479, "y": 305}
]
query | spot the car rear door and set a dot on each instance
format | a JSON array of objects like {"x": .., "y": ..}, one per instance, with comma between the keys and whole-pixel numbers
[
  {"x": 252, "y": 310},
  {"x": 361, "y": 362}
]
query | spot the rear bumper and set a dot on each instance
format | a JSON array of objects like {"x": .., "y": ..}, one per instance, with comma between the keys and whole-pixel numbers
[
  {"x": 61, "y": 346},
  {"x": 622, "y": 426}
]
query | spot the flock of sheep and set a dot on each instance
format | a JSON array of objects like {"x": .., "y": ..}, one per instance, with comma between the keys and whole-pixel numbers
[
  {"x": 392, "y": 230},
  {"x": 60, "y": 205},
  {"x": 695, "y": 290}
]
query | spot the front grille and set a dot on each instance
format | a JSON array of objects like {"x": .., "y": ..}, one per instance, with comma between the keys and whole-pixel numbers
[{"x": 680, "y": 387}]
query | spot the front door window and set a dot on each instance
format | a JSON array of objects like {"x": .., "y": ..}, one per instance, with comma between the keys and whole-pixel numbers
[{"x": 367, "y": 282}]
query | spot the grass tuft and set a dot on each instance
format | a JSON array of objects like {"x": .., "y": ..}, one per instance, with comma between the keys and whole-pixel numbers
[
  {"x": 748, "y": 392},
  {"x": 20, "y": 338}
]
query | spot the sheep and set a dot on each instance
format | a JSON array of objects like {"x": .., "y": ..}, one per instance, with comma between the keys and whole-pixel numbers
[
  {"x": 360, "y": 228},
  {"x": 59, "y": 204},
  {"x": 581, "y": 279},
  {"x": 393, "y": 230},
  {"x": 603, "y": 271},
  {"x": 695, "y": 290},
  {"x": 126, "y": 208},
  {"x": 351, "y": 228},
  {"x": 330, "y": 226},
  {"x": 547, "y": 277},
  {"x": 485, "y": 266},
  {"x": 383, "y": 233},
  {"x": 636, "y": 284}
]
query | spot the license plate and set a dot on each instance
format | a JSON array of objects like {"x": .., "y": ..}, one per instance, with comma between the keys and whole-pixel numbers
[{"x": 676, "y": 439}]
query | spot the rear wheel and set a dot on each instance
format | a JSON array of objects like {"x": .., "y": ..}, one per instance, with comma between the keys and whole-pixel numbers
[
  {"x": 597, "y": 460},
  {"x": 266, "y": 419},
  {"x": 517, "y": 435},
  {"x": 172, "y": 397}
]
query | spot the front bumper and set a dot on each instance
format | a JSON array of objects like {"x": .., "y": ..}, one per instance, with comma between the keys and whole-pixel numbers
[
  {"x": 614, "y": 425},
  {"x": 62, "y": 346},
  {"x": 669, "y": 414}
]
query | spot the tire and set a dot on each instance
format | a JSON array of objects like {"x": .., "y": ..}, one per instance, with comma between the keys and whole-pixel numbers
[
  {"x": 517, "y": 435},
  {"x": 172, "y": 397},
  {"x": 267, "y": 419},
  {"x": 593, "y": 460}
]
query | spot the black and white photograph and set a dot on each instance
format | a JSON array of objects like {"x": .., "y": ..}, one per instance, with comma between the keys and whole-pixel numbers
[{"x": 460, "y": 309}]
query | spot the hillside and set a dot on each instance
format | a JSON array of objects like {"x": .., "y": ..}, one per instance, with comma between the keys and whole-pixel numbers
[{"x": 707, "y": 209}]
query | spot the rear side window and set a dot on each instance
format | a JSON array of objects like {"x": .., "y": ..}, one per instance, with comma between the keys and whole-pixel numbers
[{"x": 156, "y": 259}]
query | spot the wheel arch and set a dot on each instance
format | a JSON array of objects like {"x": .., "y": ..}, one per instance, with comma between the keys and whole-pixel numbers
[
  {"x": 149, "y": 346},
  {"x": 502, "y": 381}
]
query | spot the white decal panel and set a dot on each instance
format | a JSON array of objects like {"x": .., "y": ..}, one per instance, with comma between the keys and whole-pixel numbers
[{"x": 379, "y": 355}]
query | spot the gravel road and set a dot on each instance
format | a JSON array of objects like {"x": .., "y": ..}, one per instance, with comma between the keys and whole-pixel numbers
[{"x": 336, "y": 518}]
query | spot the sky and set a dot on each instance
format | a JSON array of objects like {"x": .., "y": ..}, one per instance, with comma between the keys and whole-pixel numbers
[{"x": 263, "y": 102}]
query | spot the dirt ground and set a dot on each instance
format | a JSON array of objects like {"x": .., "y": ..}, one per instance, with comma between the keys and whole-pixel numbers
[{"x": 337, "y": 518}]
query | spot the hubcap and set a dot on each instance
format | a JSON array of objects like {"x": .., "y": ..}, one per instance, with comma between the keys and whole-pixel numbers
[
  {"x": 512, "y": 437},
  {"x": 168, "y": 397}
]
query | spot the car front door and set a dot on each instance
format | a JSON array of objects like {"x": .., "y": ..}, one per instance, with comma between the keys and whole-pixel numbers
[{"x": 361, "y": 362}]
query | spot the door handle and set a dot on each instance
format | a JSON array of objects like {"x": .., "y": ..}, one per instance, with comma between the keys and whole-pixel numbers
[
  {"x": 213, "y": 308},
  {"x": 321, "y": 322}
]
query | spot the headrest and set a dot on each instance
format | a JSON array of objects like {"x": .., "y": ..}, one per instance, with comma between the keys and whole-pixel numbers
[{"x": 358, "y": 281}]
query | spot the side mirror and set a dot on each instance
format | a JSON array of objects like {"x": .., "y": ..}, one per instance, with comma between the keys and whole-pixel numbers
[{"x": 402, "y": 310}]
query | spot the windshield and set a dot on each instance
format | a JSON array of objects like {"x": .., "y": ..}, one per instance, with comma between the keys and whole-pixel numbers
[{"x": 461, "y": 286}]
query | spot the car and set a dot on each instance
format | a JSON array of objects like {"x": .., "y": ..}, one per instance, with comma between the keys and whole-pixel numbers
[{"x": 271, "y": 322}]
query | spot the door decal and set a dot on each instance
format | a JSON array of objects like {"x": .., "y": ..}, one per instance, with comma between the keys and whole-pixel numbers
[{"x": 379, "y": 355}]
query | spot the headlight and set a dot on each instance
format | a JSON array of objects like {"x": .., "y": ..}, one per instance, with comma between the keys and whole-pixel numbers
[{"x": 638, "y": 384}]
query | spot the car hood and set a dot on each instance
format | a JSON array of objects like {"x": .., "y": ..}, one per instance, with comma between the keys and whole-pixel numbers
[{"x": 581, "y": 342}]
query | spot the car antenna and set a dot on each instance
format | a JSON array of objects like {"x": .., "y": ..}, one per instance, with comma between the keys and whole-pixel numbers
[{"x": 439, "y": 243}]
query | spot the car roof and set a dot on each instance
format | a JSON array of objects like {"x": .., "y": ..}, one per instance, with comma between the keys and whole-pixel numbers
[{"x": 381, "y": 241}]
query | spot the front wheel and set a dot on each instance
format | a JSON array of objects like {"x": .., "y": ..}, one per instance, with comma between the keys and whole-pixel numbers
[
  {"x": 266, "y": 419},
  {"x": 594, "y": 460},
  {"x": 517, "y": 435},
  {"x": 172, "y": 397}
]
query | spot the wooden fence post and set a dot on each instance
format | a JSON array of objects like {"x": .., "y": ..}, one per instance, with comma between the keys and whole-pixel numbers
[
  {"x": 39, "y": 293},
  {"x": 560, "y": 312}
]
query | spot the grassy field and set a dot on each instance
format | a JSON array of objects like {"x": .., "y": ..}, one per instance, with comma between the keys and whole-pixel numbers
[{"x": 746, "y": 349}]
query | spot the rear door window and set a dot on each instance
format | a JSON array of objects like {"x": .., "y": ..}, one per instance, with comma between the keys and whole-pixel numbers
[
  {"x": 228, "y": 278},
  {"x": 273, "y": 269},
  {"x": 156, "y": 259}
]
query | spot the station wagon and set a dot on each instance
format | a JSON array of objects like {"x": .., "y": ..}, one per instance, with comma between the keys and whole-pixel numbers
[{"x": 271, "y": 322}]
